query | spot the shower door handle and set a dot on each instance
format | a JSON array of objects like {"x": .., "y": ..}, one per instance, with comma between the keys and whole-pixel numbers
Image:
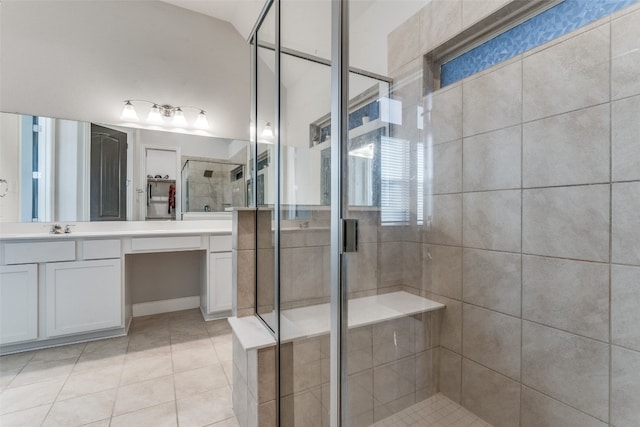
[{"x": 349, "y": 235}]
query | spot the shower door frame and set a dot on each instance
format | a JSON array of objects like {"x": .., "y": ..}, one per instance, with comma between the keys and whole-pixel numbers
[{"x": 339, "y": 192}]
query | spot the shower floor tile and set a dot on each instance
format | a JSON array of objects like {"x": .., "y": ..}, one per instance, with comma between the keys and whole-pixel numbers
[{"x": 436, "y": 411}]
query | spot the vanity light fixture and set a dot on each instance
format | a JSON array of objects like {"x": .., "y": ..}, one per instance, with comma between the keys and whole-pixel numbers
[
  {"x": 161, "y": 112},
  {"x": 267, "y": 132},
  {"x": 128, "y": 112}
]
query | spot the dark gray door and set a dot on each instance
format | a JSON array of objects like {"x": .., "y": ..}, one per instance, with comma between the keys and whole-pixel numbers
[{"x": 108, "y": 174}]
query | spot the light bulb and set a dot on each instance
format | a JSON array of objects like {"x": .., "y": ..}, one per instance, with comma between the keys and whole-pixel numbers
[
  {"x": 267, "y": 132},
  {"x": 129, "y": 113},
  {"x": 154, "y": 114},
  {"x": 201, "y": 121},
  {"x": 178, "y": 118}
]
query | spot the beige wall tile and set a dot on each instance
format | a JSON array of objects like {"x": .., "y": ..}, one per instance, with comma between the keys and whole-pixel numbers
[
  {"x": 492, "y": 339},
  {"x": 566, "y": 294},
  {"x": 491, "y": 220},
  {"x": 412, "y": 264},
  {"x": 426, "y": 43},
  {"x": 390, "y": 263},
  {"x": 360, "y": 390},
  {"x": 393, "y": 340},
  {"x": 301, "y": 409},
  {"x": 555, "y": 363},
  {"x": 492, "y": 280},
  {"x": 441, "y": 272},
  {"x": 446, "y": 228},
  {"x": 394, "y": 380},
  {"x": 539, "y": 410},
  {"x": 426, "y": 374},
  {"x": 625, "y": 227},
  {"x": 450, "y": 322},
  {"x": 492, "y": 161},
  {"x": 446, "y": 20},
  {"x": 363, "y": 268},
  {"x": 447, "y": 168},
  {"x": 267, "y": 414},
  {"x": 244, "y": 282},
  {"x": 404, "y": 43},
  {"x": 567, "y": 76},
  {"x": 489, "y": 395},
  {"x": 243, "y": 229},
  {"x": 571, "y": 222},
  {"x": 625, "y": 139},
  {"x": 493, "y": 100},
  {"x": 474, "y": 10},
  {"x": 427, "y": 331},
  {"x": 567, "y": 149},
  {"x": 625, "y": 64},
  {"x": 625, "y": 300},
  {"x": 445, "y": 121},
  {"x": 450, "y": 375},
  {"x": 625, "y": 387}
]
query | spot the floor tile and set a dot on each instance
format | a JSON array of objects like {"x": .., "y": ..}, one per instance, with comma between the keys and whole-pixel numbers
[
  {"x": 32, "y": 417},
  {"x": 163, "y": 415},
  {"x": 87, "y": 382},
  {"x": 200, "y": 380},
  {"x": 144, "y": 394},
  {"x": 138, "y": 370},
  {"x": 57, "y": 353},
  {"x": 38, "y": 371},
  {"x": 81, "y": 410},
  {"x": 205, "y": 408},
  {"x": 191, "y": 359},
  {"x": 29, "y": 396}
]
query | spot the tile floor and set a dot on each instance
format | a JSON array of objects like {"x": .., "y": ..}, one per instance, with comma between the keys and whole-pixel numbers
[
  {"x": 436, "y": 411},
  {"x": 172, "y": 369}
]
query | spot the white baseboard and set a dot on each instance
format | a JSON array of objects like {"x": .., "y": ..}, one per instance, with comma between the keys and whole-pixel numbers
[{"x": 165, "y": 306}]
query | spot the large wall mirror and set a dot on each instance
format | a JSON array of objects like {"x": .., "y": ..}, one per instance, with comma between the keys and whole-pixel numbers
[{"x": 56, "y": 170}]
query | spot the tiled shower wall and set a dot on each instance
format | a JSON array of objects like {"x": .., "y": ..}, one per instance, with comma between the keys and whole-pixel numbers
[{"x": 535, "y": 241}]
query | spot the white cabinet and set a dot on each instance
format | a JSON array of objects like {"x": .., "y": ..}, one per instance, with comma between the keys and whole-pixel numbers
[
  {"x": 18, "y": 303},
  {"x": 83, "y": 296},
  {"x": 220, "y": 265}
]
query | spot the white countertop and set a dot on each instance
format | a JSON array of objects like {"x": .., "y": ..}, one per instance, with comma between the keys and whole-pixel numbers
[
  {"x": 310, "y": 321},
  {"x": 40, "y": 231}
]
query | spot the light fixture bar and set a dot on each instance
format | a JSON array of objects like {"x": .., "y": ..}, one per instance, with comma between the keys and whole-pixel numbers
[{"x": 158, "y": 113}]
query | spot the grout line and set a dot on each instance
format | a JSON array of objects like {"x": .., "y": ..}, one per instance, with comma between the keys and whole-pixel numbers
[
  {"x": 609, "y": 406},
  {"x": 521, "y": 236}
]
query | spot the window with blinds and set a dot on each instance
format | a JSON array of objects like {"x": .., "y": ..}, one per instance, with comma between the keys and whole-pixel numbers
[{"x": 395, "y": 170}]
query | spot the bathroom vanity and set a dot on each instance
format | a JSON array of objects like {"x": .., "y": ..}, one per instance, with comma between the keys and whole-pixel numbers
[{"x": 62, "y": 288}]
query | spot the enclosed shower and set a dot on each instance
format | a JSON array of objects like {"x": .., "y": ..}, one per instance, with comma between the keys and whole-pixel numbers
[{"x": 446, "y": 229}]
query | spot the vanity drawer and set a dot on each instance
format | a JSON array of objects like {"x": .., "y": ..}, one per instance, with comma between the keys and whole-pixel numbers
[
  {"x": 143, "y": 244},
  {"x": 220, "y": 243},
  {"x": 101, "y": 249},
  {"x": 34, "y": 252}
]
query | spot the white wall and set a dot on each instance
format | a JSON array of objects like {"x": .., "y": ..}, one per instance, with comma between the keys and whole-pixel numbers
[
  {"x": 81, "y": 59},
  {"x": 9, "y": 167}
]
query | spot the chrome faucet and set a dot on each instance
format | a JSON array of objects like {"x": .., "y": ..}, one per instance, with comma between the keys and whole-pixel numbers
[
  {"x": 67, "y": 228},
  {"x": 55, "y": 229}
]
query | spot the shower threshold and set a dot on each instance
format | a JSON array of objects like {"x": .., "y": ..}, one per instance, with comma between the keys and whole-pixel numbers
[{"x": 436, "y": 411}]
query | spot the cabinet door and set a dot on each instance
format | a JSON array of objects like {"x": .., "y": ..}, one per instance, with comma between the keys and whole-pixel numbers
[
  {"x": 18, "y": 303},
  {"x": 220, "y": 281},
  {"x": 83, "y": 296}
]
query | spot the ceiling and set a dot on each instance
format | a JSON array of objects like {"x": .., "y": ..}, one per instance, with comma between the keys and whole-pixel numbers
[
  {"x": 242, "y": 14},
  {"x": 371, "y": 22}
]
